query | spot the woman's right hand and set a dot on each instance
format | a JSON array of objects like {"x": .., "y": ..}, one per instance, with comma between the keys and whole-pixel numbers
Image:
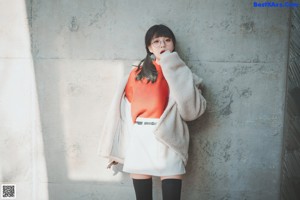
[{"x": 111, "y": 164}]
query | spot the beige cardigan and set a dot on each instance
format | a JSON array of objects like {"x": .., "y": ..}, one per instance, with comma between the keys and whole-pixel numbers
[{"x": 185, "y": 104}]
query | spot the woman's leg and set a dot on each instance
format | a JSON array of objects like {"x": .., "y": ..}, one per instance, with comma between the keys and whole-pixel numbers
[
  {"x": 142, "y": 186},
  {"x": 171, "y": 187}
]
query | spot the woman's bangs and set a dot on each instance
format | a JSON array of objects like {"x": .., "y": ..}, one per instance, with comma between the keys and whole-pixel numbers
[{"x": 163, "y": 33}]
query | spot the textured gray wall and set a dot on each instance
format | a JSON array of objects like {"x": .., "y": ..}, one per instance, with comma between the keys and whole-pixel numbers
[
  {"x": 290, "y": 185},
  {"x": 81, "y": 49}
]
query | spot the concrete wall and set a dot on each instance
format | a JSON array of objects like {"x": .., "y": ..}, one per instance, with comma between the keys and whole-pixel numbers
[
  {"x": 81, "y": 49},
  {"x": 290, "y": 185}
]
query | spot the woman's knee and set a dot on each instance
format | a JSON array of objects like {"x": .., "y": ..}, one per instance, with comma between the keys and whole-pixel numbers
[
  {"x": 140, "y": 176},
  {"x": 171, "y": 177}
]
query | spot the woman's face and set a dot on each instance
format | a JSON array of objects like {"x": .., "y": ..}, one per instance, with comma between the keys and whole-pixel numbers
[{"x": 159, "y": 45}]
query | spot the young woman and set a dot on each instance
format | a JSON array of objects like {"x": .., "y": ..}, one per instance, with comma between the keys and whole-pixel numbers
[{"x": 146, "y": 126}]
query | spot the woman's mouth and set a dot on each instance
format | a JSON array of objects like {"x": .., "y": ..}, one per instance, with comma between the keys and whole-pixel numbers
[{"x": 162, "y": 51}]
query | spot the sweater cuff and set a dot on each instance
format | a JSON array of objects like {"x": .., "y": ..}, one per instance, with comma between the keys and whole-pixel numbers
[{"x": 171, "y": 60}]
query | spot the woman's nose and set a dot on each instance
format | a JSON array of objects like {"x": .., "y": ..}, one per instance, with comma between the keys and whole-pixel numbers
[{"x": 162, "y": 43}]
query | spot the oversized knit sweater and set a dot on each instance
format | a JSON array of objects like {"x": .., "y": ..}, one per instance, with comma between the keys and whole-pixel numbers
[{"x": 148, "y": 100}]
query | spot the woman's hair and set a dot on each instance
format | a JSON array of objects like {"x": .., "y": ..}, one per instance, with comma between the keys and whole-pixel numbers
[{"x": 148, "y": 69}]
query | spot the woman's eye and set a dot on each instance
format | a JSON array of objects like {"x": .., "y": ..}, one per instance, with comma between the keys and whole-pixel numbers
[
  {"x": 168, "y": 40},
  {"x": 155, "y": 42}
]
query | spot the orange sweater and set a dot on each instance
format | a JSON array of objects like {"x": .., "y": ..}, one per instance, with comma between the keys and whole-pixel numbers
[{"x": 148, "y": 100}]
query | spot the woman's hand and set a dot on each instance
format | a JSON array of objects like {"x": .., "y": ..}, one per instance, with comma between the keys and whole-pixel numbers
[{"x": 111, "y": 164}]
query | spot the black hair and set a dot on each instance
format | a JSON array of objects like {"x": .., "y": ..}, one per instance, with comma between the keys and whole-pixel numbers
[{"x": 148, "y": 69}]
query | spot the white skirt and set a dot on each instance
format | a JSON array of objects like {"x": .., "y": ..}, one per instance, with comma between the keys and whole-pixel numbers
[{"x": 146, "y": 155}]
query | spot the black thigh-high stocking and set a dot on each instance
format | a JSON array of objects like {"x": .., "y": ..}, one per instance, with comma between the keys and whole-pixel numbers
[
  {"x": 171, "y": 189},
  {"x": 143, "y": 189}
]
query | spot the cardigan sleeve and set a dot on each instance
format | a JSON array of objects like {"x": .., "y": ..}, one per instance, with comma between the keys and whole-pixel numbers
[{"x": 190, "y": 102}]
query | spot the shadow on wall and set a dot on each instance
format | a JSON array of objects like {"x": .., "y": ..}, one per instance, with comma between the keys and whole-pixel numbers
[{"x": 290, "y": 185}]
